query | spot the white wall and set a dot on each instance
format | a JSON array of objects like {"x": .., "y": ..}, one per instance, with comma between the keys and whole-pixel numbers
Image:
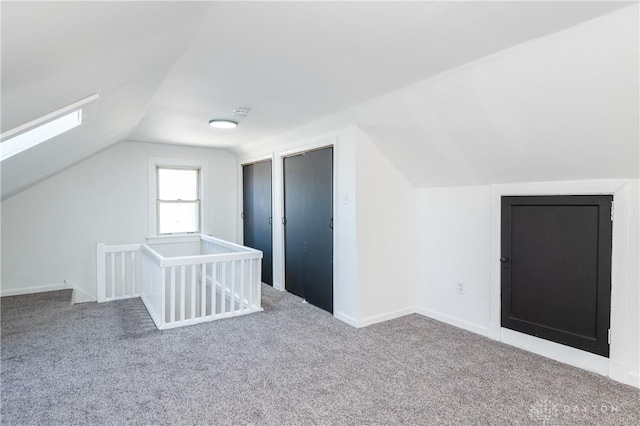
[
  {"x": 458, "y": 241},
  {"x": 633, "y": 295},
  {"x": 386, "y": 206},
  {"x": 454, "y": 237},
  {"x": 50, "y": 230}
]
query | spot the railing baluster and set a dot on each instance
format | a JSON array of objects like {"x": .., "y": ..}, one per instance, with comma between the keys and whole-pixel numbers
[
  {"x": 133, "y": 273},
  {"x": 203, "y": 290},
  {"x": 214, "y": 287},
  {"x": 234, "y": 267},
  {"x": 242, "y": 266},
  {"x": 256, "y": 282},
  {"x": 163, "y": 294},
  {"x": 193, "y": 291},
  {"x": 101, "y": 273},
  {"x": 250, "y": 289},
  {"x": 172, "y": 294},
  {"x": 123, "y": 275},
  {"x": 223, "y": 288},
  {"x": 183, "y": 285},
  {"x": 113, "y": 274}
]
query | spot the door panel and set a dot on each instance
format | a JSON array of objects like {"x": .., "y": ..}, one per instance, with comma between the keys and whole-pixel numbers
[
  {"x": 295, "y": 182},
  {"x": 308, "y": 195},
  {"x": 319, "y": 241},
  {"x": 556, "y": 271},
  {"x": 256, "y": 197}
]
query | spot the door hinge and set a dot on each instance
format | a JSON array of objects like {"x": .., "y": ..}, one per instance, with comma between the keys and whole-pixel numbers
[
  {"x": 609, "y": 336},
  {"x": 611, "y": 210}
]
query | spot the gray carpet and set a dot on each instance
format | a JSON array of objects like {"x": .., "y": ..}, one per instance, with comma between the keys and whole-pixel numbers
[{"x": 292, "y": 364}]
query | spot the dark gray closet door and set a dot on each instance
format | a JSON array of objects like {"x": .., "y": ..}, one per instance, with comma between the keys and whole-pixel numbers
[
  {"x": 256, "y": 201},
  {"x": 308, "y": 208}
]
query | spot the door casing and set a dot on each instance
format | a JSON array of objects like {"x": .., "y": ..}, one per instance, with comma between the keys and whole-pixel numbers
[{"x": 619, "y": 365}]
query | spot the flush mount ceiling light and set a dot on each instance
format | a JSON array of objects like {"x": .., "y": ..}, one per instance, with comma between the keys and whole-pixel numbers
[{"x": 223, "y": 124}]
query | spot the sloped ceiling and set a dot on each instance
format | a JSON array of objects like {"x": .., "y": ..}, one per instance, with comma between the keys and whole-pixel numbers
[
  {"x": 163, "y": 69},
  {"x": 560, "y": 107},
  {"x": 54, "y": 54}
]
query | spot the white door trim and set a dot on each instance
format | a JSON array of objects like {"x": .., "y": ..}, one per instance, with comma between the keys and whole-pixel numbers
[{"x": 618, "y": 362}]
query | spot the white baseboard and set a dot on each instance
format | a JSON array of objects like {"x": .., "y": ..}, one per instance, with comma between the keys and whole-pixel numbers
[
  {"x": 618, "y": 371},
  {"x": 374, "y": 319},
  {"x": 566, "y": 354},
  {"x": 456, "y": 322},
  {"x": 346, "y": 318},
  {"x": 79, "y": 295},
  {"x": 31, "y": 290}
]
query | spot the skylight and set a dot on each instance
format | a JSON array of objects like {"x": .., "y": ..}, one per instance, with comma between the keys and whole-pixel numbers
[
  {"x": 40, "y": 134},
  {"x": 42, "y": 129}
]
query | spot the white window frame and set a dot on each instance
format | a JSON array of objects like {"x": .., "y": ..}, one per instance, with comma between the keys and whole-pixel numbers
[{"x": 175, "y": 163}]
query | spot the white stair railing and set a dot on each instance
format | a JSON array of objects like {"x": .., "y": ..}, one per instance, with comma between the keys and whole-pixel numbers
[
  {"x": 118, "y": 272},
  {"x": 223, "y": 281}
]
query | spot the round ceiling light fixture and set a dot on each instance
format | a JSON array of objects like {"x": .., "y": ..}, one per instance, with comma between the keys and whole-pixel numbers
[{"x": 223, "y": 124}]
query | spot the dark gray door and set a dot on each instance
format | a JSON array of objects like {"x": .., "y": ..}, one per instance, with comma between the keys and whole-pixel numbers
[
  {"x": 308, "y": 210},
  {"x": 256, "y": 201},
  {"x": 556, "y": 269}
]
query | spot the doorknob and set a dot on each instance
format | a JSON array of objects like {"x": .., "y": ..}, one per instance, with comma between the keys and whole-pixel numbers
[
  {"x": 331, "y": 223},
  {"x": 270, "y": 220},
  {"x": 504, "y": 260},
  {"x": 242, "y": 215},
  {"x": 284, "y": 221}
]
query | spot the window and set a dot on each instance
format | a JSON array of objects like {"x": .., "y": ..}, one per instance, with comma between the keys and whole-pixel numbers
[{"x": 178, "y": 200}]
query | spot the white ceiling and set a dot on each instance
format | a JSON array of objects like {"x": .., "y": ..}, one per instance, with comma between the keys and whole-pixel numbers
[{"x": 163, "y": 69}]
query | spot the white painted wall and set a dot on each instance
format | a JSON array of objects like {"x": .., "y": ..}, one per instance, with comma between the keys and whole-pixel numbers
[
  {"x": 458, "y": 241},
  {"x": 453, "y": 238},
  {"x": 50, "y": 230},
  {"x": 386, "y": 206},
  {"x": 633, "y": 295}
]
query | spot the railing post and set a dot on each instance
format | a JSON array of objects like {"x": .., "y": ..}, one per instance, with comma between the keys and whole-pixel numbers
[
  {"x": 101, "y": 284},
  {"x": 163, "y": 291},
  {"x": 258, "y": 283}
]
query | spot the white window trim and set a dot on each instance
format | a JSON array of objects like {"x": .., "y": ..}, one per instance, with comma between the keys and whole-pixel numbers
[{"x": 154, "y": 163}]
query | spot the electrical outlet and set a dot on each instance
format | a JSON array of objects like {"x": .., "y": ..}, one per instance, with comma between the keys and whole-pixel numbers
[{"x": 460, "y": 287}]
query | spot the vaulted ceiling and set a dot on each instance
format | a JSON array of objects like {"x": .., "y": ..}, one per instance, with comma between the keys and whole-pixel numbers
[{"x": 163, "y": 69}]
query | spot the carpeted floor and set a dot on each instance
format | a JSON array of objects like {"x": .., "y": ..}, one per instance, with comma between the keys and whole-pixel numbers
[{"x": 292, "y": 364}]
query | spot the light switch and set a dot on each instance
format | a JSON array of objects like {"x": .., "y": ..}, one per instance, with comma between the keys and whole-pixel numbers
[{"x": 345, "y": 198}]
